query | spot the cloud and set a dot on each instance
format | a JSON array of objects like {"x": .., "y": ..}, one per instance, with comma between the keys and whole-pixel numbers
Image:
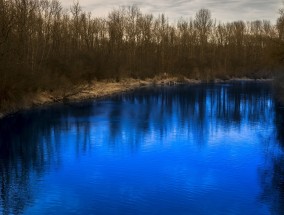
[{"x": 223, "y": 10}]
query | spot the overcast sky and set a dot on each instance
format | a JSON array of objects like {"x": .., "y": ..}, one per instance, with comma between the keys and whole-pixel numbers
[{"x": 223, "y": 10}]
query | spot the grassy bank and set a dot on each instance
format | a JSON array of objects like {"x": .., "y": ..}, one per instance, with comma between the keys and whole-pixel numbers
[
  {"x": 91, "y": 90},
  {"x": 98, "y": 89}
]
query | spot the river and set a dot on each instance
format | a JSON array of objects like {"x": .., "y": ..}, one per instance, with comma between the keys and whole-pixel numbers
[{"x": 200, "y": 149}]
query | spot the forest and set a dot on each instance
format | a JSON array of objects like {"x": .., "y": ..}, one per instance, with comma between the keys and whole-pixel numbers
[{"x": 45, "y": 47}]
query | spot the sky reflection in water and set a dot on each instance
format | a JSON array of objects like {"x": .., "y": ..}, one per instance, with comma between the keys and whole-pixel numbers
[{"x": 204, "y": 149}]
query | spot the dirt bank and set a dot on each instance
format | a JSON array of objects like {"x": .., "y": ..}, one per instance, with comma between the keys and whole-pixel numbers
[
  {"x": 91, "y": 91},
  {"x": 102, "y": 89}
]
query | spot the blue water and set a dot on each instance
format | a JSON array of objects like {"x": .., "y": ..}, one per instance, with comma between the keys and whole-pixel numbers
[{"x": 201, "y": 149}]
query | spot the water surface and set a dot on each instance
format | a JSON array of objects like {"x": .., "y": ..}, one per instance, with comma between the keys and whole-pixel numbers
[{"x": 202, "y": 149}]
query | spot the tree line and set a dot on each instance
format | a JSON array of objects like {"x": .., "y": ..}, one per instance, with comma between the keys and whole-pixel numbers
[{"x": 44, "y": 47}]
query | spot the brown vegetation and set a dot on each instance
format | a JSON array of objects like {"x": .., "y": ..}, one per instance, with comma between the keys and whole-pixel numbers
[
  {"x": 93, "y": 90},
  {"x": 44, "y": 48}
]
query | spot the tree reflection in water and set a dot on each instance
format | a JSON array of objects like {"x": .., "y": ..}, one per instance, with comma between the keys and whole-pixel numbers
[
  {"x": 31, "y": 143},
  {"x": 272, "y": 173}
]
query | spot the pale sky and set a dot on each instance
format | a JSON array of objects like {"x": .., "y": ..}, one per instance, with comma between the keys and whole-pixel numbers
[{"x": 222, "y": 10}]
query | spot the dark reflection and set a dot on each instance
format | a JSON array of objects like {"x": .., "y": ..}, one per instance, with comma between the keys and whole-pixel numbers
[
  {"x": 32, "y": 143},
  {"x": 272, "y": 173},
  {"x": 196, "y": 109},
  {"x": 280, "y": 125}
]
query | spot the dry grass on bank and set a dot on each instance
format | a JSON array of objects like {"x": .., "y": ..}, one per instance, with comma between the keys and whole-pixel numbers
[
  {"x": 93, "y": 90},
  {"x": 96, "y": 90}
]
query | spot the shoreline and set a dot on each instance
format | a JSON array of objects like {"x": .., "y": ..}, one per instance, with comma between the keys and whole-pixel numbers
[{"x": 102, "y": 89}]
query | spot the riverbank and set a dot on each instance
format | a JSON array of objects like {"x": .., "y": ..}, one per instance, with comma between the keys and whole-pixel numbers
[{"x": 96, "y": 90}]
